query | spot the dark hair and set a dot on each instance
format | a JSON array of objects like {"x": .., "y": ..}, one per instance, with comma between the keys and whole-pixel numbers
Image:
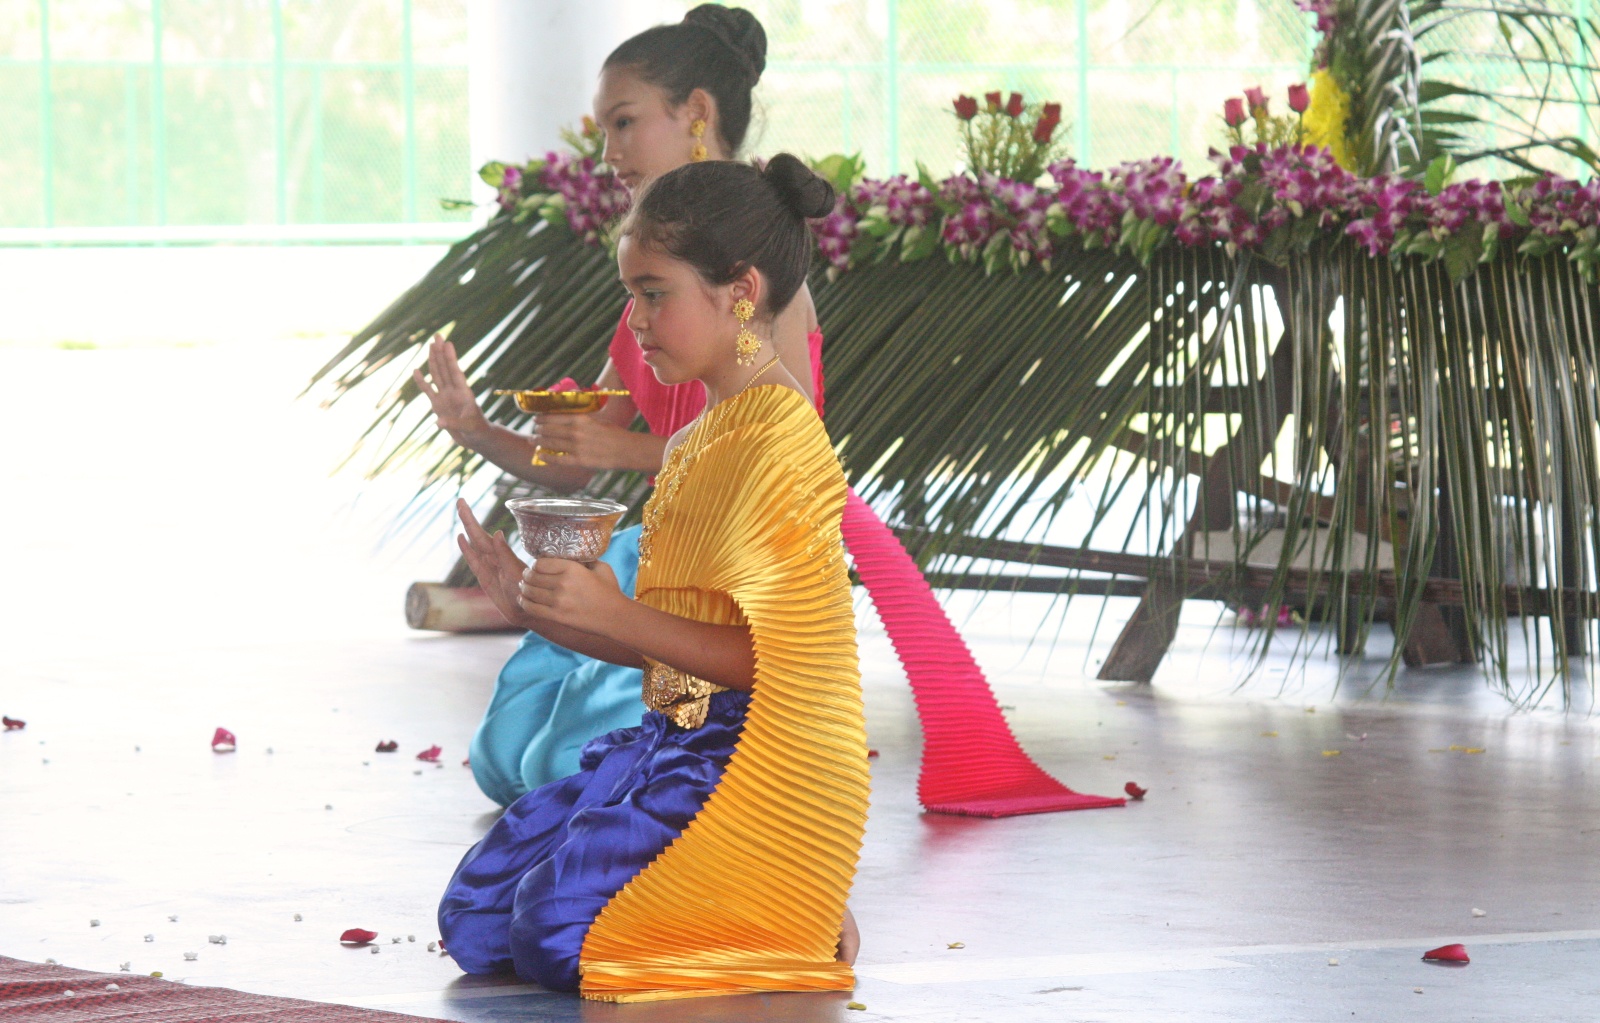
[
  {"x": 723, "y": 217},
  {"x": 722, "y": 50}
]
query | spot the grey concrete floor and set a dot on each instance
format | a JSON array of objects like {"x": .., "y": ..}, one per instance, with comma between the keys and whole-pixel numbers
[
  {"x": 1256, "y": 858},
  {"x": 1290, "y": 821}
]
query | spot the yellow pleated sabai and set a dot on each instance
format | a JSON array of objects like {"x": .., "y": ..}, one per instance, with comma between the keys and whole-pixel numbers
[{"x": 750, "y": 897}]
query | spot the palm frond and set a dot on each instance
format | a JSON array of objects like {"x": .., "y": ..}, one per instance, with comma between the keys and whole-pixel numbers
[
  {"x": 1509, "y": 80},
  {"x": 1442, "y": 460},
  {"x": 1441, "y": 466},
  {"x": 524, "y": 304},
  {"x": 1385, "y": 108}
]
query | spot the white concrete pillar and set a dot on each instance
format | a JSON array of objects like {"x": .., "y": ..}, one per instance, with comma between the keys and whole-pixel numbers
[{"x": 533, "y": 65}]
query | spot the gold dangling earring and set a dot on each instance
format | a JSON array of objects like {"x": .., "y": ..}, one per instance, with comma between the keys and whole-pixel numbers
[
  {"x": 697, "y": 131},
  {"x": 746, "y": 345}
]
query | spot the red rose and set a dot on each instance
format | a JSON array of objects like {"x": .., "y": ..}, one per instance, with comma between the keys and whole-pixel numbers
[
  {"x": 993, "y": 99},
  {"x": 1044, "y": 129},
  {"x": 1299, "y": 98},
  {"x": 966, "y": 107},
  {"x": 1256, "y": 96},
  {"x": 1233, "y": 112},
  {"x": 1014, "y": 105},
  {"x": 1052, "y": 112}
]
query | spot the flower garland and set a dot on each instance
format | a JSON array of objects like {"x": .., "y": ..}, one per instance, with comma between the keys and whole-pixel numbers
[
  {"x": 1264, "y": 198},
  {"x": 572, "y": 188},
  {"x": 1270, "y": 200}
]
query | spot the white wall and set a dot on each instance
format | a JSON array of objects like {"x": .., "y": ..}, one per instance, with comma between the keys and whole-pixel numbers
[{"x": 533, "y": 65}]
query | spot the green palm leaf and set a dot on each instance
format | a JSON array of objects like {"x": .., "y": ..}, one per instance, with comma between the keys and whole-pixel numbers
[
  {"x": 1508, "y": 80},
  {"x": 1453, "y": 422}
]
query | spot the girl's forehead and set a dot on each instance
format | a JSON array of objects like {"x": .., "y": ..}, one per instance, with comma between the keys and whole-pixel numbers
[
  {"x": 619, "y": 85},
  {"x": 636, "y": 259},
  {"x": 642, "y": 265}
]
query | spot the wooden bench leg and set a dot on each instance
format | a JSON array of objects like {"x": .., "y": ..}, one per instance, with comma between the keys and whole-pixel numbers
[
  {"x": 1144, "y": 640},
  {"x": 1575, "y": 627},
  {"x": 1439, "y": 634}
]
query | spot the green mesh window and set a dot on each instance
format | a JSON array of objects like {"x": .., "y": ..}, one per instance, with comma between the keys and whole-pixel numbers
[
  {"x": 338, "y": 112},
  {"x": 193, "y": 113}
]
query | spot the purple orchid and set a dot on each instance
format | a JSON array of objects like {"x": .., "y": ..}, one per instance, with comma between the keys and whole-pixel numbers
[
  {"x": 1154, "y": 188},
  {"x": 969, "y": 229},
  {"x": 1325, "y": 10},
  {"x": 1253, "y": 197},
  {"x": 836, "y": 233},
  {"x": 899, "y": 200},
  {"x": 510, "y": 188}
]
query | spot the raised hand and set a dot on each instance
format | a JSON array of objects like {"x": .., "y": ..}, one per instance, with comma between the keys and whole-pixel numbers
[
  {"x": 496, "y": 565},
  {"x": 455, "y": 407}
]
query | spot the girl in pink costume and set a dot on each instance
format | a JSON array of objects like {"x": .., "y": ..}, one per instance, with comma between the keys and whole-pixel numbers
[{"x": 670, "y": 95}]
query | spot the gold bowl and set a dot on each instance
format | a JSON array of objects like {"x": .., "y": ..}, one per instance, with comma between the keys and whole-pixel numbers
[
  {"x": 573, "y": 528},
  {"x": 556, "y": 402}
]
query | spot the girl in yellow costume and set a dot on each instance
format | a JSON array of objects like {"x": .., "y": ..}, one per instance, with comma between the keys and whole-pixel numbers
[{"x": 711, "y": 849}]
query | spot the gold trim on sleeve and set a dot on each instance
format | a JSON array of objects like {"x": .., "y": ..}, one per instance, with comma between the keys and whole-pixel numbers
[{"x": 677, "y": 695}]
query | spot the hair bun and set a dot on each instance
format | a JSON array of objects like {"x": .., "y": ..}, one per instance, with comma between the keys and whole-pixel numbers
[
  {"x": 802, "y": 189},
  {"x": 738, "y": 30}
]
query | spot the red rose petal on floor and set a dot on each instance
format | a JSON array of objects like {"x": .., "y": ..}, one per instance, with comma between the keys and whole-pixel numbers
[
  {"x": 871, "y": 753},
  {"x": 431, "y": 754},
  {"x": 388, "y": 747},
  {"x": 12, "y": 724},
  {"x": 1134, "y": 791},
  {"x": 223, "y": 741},
  {"x": 467, "y": 762},
  {"x": 1447, "y": 954},
  {"x": 357, "y": 936}
]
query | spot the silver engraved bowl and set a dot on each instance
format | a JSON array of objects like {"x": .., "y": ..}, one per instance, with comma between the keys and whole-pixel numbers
[{"x": 573, "y": 528}]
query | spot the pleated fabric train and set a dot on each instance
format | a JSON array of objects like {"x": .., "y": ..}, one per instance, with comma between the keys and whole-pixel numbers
[
  {"x": 972, "y": 764},
  {"x": 750, "y": 897}
]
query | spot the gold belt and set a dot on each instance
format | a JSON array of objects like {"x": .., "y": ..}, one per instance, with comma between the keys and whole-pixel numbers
[{"x": 677, "y": 694}]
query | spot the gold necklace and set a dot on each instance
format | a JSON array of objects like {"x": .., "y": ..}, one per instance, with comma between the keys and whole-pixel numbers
[
  {"x": 756, "y": 376},
  {"x": 683, "y": 456},
  {"x": 707, "y": 410}
]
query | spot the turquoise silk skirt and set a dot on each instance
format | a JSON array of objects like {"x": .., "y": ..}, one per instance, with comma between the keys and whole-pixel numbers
[{"x": 549, "y": 702}]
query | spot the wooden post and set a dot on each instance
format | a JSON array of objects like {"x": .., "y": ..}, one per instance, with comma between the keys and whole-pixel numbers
[
  {"x": 1439, "y": 633},
  {"x": 1576, "y": 630},
  {"x": 1145, "y": 638}
]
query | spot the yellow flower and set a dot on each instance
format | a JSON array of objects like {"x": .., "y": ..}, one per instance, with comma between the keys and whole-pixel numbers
[{"x": 1325, "y": 118}]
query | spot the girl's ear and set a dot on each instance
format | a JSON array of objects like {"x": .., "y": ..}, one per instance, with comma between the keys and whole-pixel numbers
[
  {"x": 702, "y": 106},
  {"x": 749, "y": 284},
  {"x": 699, "y": 106}
]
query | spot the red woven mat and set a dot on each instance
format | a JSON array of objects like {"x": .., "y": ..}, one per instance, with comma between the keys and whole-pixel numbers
[{"x": 39, "y": 991}]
